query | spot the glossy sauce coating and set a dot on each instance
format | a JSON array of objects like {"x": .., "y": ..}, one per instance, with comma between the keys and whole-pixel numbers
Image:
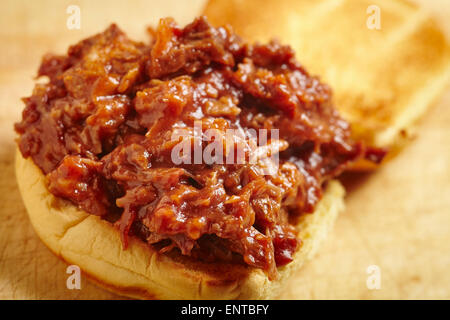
[{"x": 102, "y": 131}]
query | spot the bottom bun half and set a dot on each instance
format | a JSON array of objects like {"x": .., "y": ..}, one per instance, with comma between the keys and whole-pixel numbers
[{"x": 141, "y": 272}]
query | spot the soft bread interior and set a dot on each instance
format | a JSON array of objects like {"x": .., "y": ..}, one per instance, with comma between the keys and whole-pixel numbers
[
  {"x": 140, "y": 272},
  {"x": 383, "y": 80}
]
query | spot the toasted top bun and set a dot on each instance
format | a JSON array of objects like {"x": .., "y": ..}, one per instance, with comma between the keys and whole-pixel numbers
[
  {"x": 141, "y": 272},
  {"x": 383, "y": 79}
]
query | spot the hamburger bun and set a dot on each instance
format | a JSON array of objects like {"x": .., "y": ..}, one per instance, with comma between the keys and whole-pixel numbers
[
  {"x": 141, "y": 272},
  {"x": 384, "y": 79}
]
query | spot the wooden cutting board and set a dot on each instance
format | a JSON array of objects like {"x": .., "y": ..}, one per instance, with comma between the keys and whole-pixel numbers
[{"x": 397, "y": 218}]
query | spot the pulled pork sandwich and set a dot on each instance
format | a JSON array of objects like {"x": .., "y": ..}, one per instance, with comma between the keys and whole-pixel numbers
[{"x": 113, "y": 172}]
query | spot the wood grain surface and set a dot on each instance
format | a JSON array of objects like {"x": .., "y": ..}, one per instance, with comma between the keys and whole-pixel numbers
[{"x": 397, "y": 218}]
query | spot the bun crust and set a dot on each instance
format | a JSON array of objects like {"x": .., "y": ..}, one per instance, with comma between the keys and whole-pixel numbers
[{"x": 139, "y": 271}]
